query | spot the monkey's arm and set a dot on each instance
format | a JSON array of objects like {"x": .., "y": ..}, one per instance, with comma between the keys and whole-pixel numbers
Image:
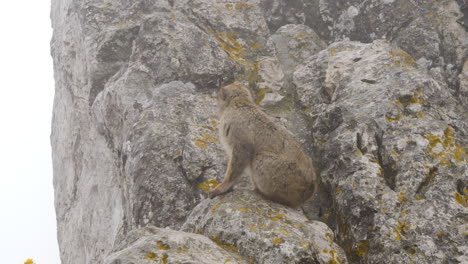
[{"x": 240, "y": 158}]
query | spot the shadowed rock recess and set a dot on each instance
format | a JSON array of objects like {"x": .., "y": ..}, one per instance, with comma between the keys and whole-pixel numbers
[{"x": 375, "y": 91}]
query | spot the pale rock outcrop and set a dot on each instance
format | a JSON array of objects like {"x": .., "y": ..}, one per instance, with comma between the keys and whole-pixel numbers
[
  {"x": 264, "y": 231},
  {"x": 156, "y": 245},
  {"x": 392, "y": 146}
]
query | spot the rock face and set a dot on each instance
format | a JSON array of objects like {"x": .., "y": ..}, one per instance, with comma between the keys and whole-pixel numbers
[
  {"x": 264, "y": 231},
  {"x": 375, "y": 91},
  {"x": 393, "y": 148},
  {"x": 156, "y": 245}
]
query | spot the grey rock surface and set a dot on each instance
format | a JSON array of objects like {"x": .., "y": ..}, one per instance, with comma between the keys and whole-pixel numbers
[
  {"x": 156, "y": 245},
  {"x": 264, "y": 231},
  {"x": 392, "y": 144},
  {"x": 134, "y": 129},
  {"x": 424, "y": 29}
]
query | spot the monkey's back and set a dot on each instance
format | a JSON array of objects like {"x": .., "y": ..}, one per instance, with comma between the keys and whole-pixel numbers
[{"x": 281, "y": 171}]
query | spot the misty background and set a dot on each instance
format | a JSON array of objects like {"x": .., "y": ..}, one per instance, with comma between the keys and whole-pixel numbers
[{"x": 27, "y": 222}]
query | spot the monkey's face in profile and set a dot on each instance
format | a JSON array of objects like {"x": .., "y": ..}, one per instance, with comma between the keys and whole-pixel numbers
[{"x": 229, "y": 92}]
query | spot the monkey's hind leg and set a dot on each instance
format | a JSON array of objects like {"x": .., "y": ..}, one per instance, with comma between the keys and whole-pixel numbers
[
  {"x": 237, "y": 164},
  {"x": 278, "y": 179}
]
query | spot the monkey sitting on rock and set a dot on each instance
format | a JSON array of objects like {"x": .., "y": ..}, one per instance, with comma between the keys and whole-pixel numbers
[{"x": 279, "y": 169}]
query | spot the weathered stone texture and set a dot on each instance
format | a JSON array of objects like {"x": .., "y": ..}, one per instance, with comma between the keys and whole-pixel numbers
[
  {"x": 392, "y": 145},
  {"x": 156, "y": 245},
  {"x": 264, "y": 231},
  {"x": 135, "y": 144}
]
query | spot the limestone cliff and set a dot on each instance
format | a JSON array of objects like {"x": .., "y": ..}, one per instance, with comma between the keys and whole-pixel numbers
[{"x": 375, "y": 91}]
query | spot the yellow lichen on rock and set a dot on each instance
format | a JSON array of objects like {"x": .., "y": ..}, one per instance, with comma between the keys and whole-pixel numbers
[
  {"x": 362, "y": 248},
  {"x": 402, "y": 59},
  {"x": 277, "y": 241},
  {"x": 150, "y": 255},
  {"x": 394, "y": 119},
  {"x": 226, "y": 246},
  {"x": 228, "y": 43},
  {"x": 261, "y": 94},
  {"x": 461, "y": 199},
  {"x": 208, "y": 185},
  {"x": 206, "y": 138},
  {"x": 162, "y": 246},
  {"x": 444, "y": 148},
  {"x": 215, "y": 207}
]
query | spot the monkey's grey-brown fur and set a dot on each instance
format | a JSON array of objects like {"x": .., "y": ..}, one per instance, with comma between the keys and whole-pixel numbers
[{"x": 279, "y": 169}]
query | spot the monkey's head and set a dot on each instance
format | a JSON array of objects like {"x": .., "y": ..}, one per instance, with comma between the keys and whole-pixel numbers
[{"x": 232, "y": 91}]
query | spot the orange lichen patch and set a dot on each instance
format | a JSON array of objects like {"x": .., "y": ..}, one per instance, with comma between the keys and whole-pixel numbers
[
  {"x": 150, "y": 255},
  {"x": 199, "y": 142},
  {"x": 243, "y": 209},
  {"x": 402, "y": 198},
  {"x": 400, "y": 228},
  {"x": 29, "y": 261},
  {"x": 215, "y": 207},
  {"x": 397, "y": 235},
  {"x": 210, "y": 138},
  {"x": 394, "y": 119},
  {"x": 255, "y": 46},
  {"x": 277, "y": 241},
  {"x": 401, "y": 58},
  {"x": 241, "y": 5},
  {"x": 206, "y": 138},
  {"x": 300, "y": 35},
  {"x": 419, "y": 198},
  {"x": 226, "y": 246},
  {"x": 305, "y": 245},
  {"x": 254, "y": 228},
  {"x": 420, "y": 115},
  {"x": 164, "y": 258},
  {"x": 228, "y": 43},
  {"x": 276, "y": 217},
  {"x": 208, "y": 185},
  {"x": 334, "y": 257},
  {"x": 440, "y": 234},
  {"x": 283, "y": 231},
  {"x": 184, "y": 249},
  {"x": 362, "y": 248},
  {"x": 444, "y": 148},
  {"x": 338, "y": 190},
  {"x": 252, "y": 73},
  {"x": 261, "y": 94},
  {"x": 214, "y": 123},
  {"x": 461, "y": 199},
  {"x": 160, "y": 245}
]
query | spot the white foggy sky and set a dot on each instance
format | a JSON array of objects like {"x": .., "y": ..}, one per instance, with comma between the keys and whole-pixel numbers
[{"x": 27, "y": 220}]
